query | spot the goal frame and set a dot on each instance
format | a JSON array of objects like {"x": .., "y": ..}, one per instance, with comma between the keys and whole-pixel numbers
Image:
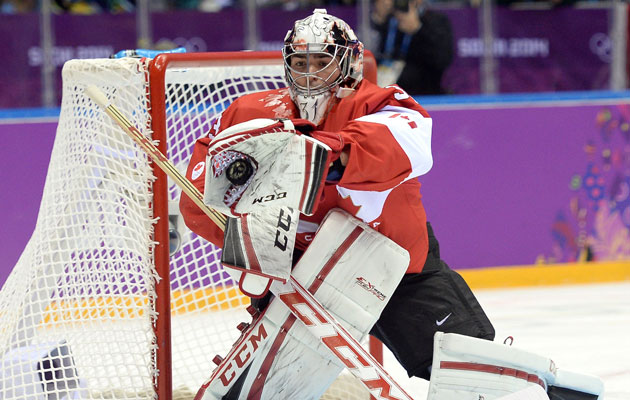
[{"x": 157, "y": 101}]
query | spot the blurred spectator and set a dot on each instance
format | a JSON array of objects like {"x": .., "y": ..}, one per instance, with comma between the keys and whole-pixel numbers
[
  {"x": 209, "y": 5},
  {"x": 414, "y": 45},
  {"x": 185, "y": 4},
  {"x": 95, "y": 6},
  {"x": 539, "y": 4},
  {"x": 291, "y": 5},
  {"x": 17, "y": 6},
  {"x": 201, "y": 5}
]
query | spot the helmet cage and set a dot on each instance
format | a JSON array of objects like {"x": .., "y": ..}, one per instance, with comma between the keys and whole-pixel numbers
[
  {"x": 321, "y": 33},
  {"x": 308, "y": 83}
]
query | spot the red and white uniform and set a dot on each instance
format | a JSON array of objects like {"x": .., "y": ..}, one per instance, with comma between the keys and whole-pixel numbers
[{"x": 388, "y": 137}]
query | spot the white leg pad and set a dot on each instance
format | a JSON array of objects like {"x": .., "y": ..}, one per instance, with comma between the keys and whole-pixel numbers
[
  {"x": 466, "y": 368},
  {"x": 355, "y": 269},
  {"x": 292, "y": 365},
  {"x": 248, "y": 346},
  {"x": 284, "y": 361},
  {"x": 533, "y": 392},
  {"x": 352, "y": 270},
  {"x": 588, "y": 386}
]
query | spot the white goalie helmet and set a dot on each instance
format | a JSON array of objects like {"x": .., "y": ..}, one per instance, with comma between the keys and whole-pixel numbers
[{"x": 338, "y": 70}]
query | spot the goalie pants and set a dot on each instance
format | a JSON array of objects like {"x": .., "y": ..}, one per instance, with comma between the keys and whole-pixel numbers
[{"x": 436, "y": 299}]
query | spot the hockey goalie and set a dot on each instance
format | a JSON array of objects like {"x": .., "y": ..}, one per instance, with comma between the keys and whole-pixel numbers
[{"x": 319, "y": 182}]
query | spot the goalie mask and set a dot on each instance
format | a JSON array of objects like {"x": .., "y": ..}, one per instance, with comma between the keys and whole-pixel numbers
[{"x": 322, "y": 58}]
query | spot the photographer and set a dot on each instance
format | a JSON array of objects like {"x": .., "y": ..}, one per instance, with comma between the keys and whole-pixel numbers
[{"x": 414, "y": 45}]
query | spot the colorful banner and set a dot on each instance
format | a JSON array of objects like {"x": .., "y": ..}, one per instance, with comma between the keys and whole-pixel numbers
[
  {"x": 523, "y": 185},
  {"x": 537, "y": 50}
]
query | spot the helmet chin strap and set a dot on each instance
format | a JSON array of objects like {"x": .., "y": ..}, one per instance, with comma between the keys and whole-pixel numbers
[{"x": 314, "y": 108}]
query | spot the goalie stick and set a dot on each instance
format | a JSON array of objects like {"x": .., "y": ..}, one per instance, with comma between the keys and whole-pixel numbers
[
  {"x": 156, "y": 155},
  {"x": 317, "y": 319}
]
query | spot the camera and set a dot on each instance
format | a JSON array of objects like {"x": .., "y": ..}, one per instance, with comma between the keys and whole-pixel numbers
[{"x": 401, "y": 5}]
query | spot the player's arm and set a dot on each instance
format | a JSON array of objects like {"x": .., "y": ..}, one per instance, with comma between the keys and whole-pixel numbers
[
  {"x": 194, "y": 218},
  {"x": 381, "y": 150}
]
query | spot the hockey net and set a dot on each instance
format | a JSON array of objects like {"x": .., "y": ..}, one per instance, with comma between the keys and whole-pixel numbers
[{"x": 113, "y": 297}]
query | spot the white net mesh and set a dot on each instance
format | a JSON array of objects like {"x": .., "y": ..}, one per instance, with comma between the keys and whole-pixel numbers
[
  {"x": 77, "y": 311},
  {"x": 79, "y": 300},
  {"x": 194, "y": 96}
]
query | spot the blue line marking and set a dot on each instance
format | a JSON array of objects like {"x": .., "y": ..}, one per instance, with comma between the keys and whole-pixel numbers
[
  {"x": 506, "y": 99},
  {"x": 29, "y": 113},
  {"x": 525, "y": 98}
]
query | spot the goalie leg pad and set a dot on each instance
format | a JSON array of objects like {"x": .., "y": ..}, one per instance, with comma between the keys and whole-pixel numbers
[
  {"x": 275, "y": 358},
  {"x": 467, "y": 368},
  {"x": 353, "y": 280},
  {"x": 533, "y": 392},
  {"x": 352, "y": 270},
  {"x": 570, "y": 385},
  {"x": 249, "y": 345}
]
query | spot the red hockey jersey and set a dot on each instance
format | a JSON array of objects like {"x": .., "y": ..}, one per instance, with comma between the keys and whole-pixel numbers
[{"x": 388, "y": 137}]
